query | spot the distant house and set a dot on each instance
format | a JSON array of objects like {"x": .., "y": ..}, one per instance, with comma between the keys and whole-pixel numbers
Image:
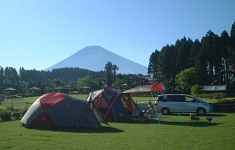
[
  {"x": 135, "y": 80},
  {"x": 10, "y": 91},
  {"x": 61, "y": 90},
  {"x": 35, "y": 91},
  {"x": 215, "y": 88},
  {"x": 85, "y": 90}
]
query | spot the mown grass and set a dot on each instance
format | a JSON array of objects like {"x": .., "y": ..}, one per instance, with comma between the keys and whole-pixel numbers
[
  {"x": 18, "y": 103},
  {"x": 173, "y": 132},
  {"x": 26, "y": 102}
]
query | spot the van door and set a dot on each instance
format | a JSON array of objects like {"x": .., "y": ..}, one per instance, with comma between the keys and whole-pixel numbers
[
  {"x": 191, "y": 104},
  {"x": 176, "y": 103}
]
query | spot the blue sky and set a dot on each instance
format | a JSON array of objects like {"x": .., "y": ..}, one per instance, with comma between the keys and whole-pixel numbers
[{"x": 40, "y": 33}]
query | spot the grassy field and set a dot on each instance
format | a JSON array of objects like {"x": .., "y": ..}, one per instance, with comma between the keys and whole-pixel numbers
[
  {"x": 173, "y": 132},
  {"x": 18, "y": 103},
  {"x": 26, "y": 102}
]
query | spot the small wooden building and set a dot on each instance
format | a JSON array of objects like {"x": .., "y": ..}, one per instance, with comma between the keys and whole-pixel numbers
[
  {"x": 215, "y": 88},
  {"x": 61, "y": 90},
  {"x": 85, "y": 90},
  {"x": 10, "y": 91},
  {"x": 35, "y": 91}
]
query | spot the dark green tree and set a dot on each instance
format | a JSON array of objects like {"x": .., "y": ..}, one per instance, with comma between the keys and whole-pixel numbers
[
  {"x": 108, "y": 73},
  {"x": 232, "y": 48},
  {"x": 201, "y": 66},
  {"x": 30, "y": 84},
  {"x": 22, "y": 74},
  {"x": 58, "y": 83},
  {"x": 186, "y": 79},
  {"x": 183, "y": 53},
  {"x": 166, "y": 64},
  {"x": 193, "y": 52},
  {"x": 11, "y": 76},
  {"x": 153, "y": 62},
  {"x": 2, "y": 83},
  {"x": 208, "y": 66},
  {"x": 217, "y": 60},
  {"x": 114, "y": 68},
  {"x": 87, "y": 81},
  {"x": 225, "y": 45}
]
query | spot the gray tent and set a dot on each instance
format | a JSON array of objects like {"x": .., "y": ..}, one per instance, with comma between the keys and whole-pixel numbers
[{"x": 58, "y": 110}]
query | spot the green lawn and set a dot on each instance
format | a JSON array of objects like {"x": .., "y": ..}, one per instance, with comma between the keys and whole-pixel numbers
[
  {"x": 22, "y": 103},
  {"x": 18, "y": 103},
  {"x": 173, "y": 132}
]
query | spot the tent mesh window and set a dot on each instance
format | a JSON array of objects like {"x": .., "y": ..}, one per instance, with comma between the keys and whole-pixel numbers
[
  {"x": 102, "y": 104},
  {"x": 125, "y": 100}
]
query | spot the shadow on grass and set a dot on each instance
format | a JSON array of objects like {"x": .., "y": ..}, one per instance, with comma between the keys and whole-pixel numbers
[
  {"x": 104, "y": 129},
  {"x": 211, "y": 114},
  {"x": 216, "y": 115},
  {"x": 184, "y": 121},
  {"x": 190, "y": 123},
  {"x": 143, "y": 121}
]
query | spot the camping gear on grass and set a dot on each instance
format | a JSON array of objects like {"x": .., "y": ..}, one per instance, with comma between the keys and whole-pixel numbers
[
  {"x": 209, "y": 118},
  {"x": 193, "y": 117}
]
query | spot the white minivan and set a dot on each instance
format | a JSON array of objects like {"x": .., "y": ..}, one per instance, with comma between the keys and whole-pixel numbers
[{"x": 181, "y": 103}]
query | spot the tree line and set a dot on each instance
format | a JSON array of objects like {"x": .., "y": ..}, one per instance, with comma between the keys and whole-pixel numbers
[
  {"x": 25, "y": 79},
  {"x": 67, "y": 77},
  {"x": 209, "y": 59},
  {"x": 186, "y": 63}
]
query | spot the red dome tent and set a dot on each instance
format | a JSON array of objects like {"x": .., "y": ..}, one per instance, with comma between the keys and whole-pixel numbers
[
  {"x": 113, "y": 105},
  {"x": 57, "y": 110}
]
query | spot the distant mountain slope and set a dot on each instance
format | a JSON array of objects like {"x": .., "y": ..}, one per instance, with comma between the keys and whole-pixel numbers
[{"x": 95, "y": 58}]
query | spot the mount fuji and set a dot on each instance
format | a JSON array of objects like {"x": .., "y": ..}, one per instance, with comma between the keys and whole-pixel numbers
[{"x": 95, "y": 58}]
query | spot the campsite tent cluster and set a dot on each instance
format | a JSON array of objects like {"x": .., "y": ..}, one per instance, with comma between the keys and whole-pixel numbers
[{"x": 59, "y": 110}]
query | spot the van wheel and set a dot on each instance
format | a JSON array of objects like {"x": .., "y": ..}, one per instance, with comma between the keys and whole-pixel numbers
[
  {"x": 201, "y": 111},
  {"x": 165, "y": 111}
]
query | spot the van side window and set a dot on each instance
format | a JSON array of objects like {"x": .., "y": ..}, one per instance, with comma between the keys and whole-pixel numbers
[
  {"x": 178, "y": 98},
  {"x": 166, "y": 98},
  {"x": 160, "y": 98},
  {"x": 189, "y": 99},
  {"x": 182, "y": 99}
]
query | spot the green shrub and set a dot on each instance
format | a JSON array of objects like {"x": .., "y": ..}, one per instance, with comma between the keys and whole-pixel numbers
[
  {"x": 212, "y": 95},
  {"x": 10, "y": 108},
  {"x": 23, "y": 111},
  {"x": 219, "y": 96},
  {"x": 5, "y": 115},
  {"x": 196, "y": 89},
  {"x": 16, "y": 115}
]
